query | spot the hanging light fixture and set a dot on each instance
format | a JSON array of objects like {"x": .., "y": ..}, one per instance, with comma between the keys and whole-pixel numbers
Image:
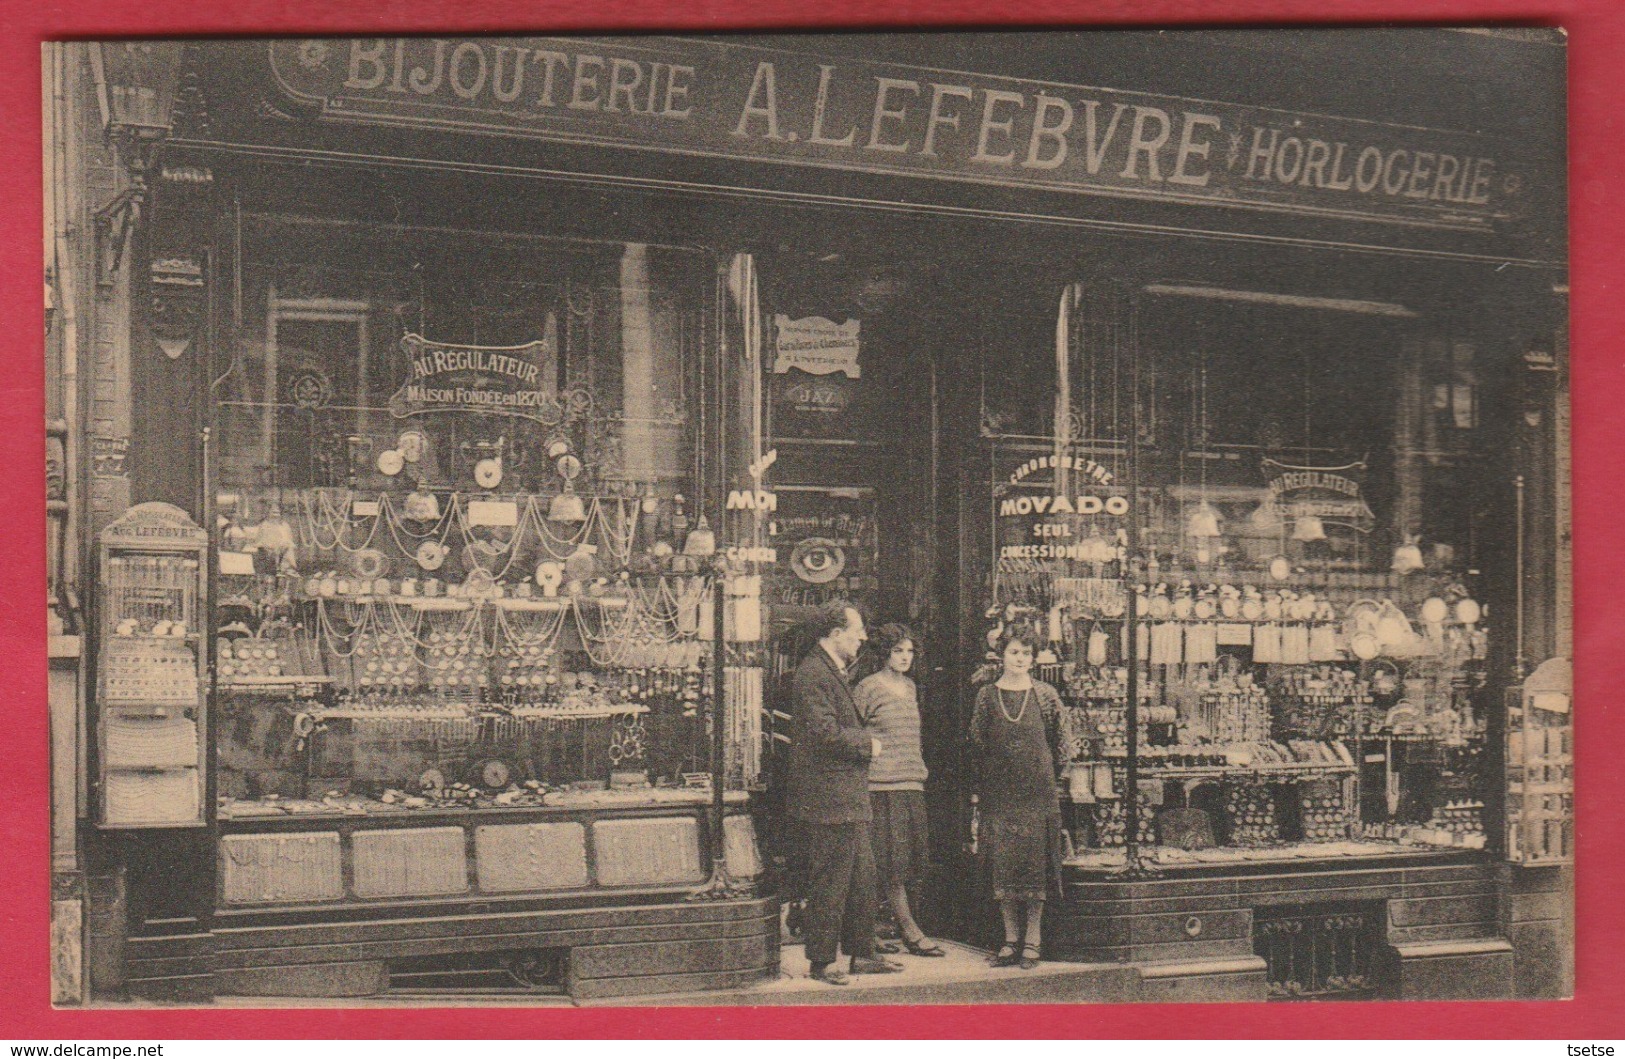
[
  {"x": 1264, "y": 520},
  {"x": 1203, "y": 521},
  {"x": 701, "y": 541},
  {"x": 1308, "y": 528},
  {"x": 567, "y": 506},
  {"x": 1408, "y": 556}
]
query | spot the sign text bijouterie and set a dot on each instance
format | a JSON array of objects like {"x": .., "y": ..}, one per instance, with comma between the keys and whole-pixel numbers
[{"x": 760, "y": 104}]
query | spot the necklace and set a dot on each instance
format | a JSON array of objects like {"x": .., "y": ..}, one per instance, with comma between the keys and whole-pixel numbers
[{"x": 1025, "y": 695}]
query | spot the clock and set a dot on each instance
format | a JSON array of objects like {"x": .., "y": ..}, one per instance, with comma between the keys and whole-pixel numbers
[
  {"x": 488, "y": 473},
  {"x": 431, "y": 555},
  {"x": 495, "y": 773},
  {"x": 410, "y": 445}
]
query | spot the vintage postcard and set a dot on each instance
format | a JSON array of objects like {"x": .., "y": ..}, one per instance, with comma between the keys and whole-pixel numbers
[{"x": 880, "y": 518}]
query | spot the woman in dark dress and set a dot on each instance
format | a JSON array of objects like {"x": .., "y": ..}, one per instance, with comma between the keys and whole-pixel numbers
[{"x": 1018, "y": 734}]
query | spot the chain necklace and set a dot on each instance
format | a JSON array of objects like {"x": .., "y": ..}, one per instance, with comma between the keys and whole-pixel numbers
[
  {"x": 617, "y": 538},
  {"x": 1025, "y": 696},
  {"x": 558, "y": 547}
]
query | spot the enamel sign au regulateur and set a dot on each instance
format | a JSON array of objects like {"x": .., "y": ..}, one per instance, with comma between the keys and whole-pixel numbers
[{"x": 500, "y": 380}]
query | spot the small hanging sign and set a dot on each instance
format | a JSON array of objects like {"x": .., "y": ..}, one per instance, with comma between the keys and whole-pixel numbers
[{"x": 816, "y": 346}]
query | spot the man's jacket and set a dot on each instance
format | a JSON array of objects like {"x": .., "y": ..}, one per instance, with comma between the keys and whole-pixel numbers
[{"x": 829, "y": 749}]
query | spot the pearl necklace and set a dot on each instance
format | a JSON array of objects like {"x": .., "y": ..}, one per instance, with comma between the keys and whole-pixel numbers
[{"x": 1026, "y": 694}]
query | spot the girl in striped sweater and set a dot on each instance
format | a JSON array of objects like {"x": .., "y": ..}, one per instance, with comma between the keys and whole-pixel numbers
[{"x": 889, "y": 706}]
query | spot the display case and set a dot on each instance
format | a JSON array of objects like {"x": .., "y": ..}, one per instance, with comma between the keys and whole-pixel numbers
[
  {"x": 1296, "y": 618},
  {"x": 359, "y": 677},
  {"x": 1540, "y": 767},
  {"x": 1275, "y": 714},
  {"x": 151, "y": 716},
  {"x": 467, "y": 577}
]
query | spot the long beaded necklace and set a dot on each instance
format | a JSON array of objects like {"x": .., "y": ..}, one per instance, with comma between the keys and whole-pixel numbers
[{"x": 1026, "y": 694}]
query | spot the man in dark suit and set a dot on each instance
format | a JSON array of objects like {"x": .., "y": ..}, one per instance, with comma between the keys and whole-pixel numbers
[{"x": 829, "y": 798}]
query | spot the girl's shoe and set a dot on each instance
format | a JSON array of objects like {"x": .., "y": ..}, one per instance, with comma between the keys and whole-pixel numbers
[
  {"x": 1029, "y": 957},
  {"x": 924, "y": 947},
  {"x": 1007, "y": 956}
]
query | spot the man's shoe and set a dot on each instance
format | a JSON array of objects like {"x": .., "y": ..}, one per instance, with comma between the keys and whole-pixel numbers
[
  {"x": 874, "y": 965},
  {"x": 829, "y": 974}
]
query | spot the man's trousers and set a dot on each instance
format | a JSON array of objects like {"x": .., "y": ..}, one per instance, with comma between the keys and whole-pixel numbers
[{"x": 840, "y": 889}]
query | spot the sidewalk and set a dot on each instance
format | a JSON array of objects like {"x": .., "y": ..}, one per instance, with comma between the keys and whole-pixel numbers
[{"x": 962, "y": 977}]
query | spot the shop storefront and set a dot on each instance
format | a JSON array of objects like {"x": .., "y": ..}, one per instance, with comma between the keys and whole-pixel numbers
[{"x": 496, "y": 408}]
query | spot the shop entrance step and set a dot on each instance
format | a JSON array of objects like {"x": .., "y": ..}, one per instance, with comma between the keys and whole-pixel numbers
[{"x": 964, "y": 976}]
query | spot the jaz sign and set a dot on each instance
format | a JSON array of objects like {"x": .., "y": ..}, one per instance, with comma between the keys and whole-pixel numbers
[
  {"x": 505, "y": 380},
  {"x": 728, "y": 100}
]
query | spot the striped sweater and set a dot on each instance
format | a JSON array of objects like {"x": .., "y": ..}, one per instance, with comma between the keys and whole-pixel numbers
[{"x": 892, "y": 713}]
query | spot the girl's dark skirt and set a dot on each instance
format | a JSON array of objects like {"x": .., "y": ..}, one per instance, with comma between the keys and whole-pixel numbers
[{"x": 898, "y": 831}]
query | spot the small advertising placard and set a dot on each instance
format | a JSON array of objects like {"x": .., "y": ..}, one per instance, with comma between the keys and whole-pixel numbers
[{"x": 816, "y": 346}]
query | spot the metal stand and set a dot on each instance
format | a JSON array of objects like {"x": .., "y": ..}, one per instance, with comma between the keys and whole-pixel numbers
[
  {"x": 721, "y": 886},
  {"x": 1133, "y": 866}
]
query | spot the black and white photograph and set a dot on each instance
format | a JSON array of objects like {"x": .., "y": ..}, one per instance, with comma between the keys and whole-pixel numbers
[{"x": 881, "y": 518}]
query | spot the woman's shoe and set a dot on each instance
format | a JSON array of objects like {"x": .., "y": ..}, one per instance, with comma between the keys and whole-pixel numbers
[
  {"x": 1029, "y": 957},
  {"x": 1006, "y": 956},
  {"x": 886, "y": 948},
  {"x": 924, "y": 947}
]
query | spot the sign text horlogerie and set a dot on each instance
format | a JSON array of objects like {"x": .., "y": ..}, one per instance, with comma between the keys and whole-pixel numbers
[{"x": 759, "y": 104}]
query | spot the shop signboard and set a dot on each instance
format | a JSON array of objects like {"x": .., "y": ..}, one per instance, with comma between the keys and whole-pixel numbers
[
  {"x": 826, "y": 542},
  {"x": 815, "y": 376},
  {"x": 729, "y": 100}
]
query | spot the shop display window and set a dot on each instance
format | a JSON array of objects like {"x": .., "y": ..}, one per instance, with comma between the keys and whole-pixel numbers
[
  {"x": 1254, "y": 534},
  {"x": 459, "y": 497}
]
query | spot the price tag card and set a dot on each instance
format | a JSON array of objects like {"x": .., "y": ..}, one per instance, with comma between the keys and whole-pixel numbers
[
  {"x": 1550, "y": 701},
  {"x": 237, "y": 563},
  {"x": 493, "y": 513}
]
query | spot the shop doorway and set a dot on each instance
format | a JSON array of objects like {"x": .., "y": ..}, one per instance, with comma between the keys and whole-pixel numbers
[{"x": 865, "y": 510}]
